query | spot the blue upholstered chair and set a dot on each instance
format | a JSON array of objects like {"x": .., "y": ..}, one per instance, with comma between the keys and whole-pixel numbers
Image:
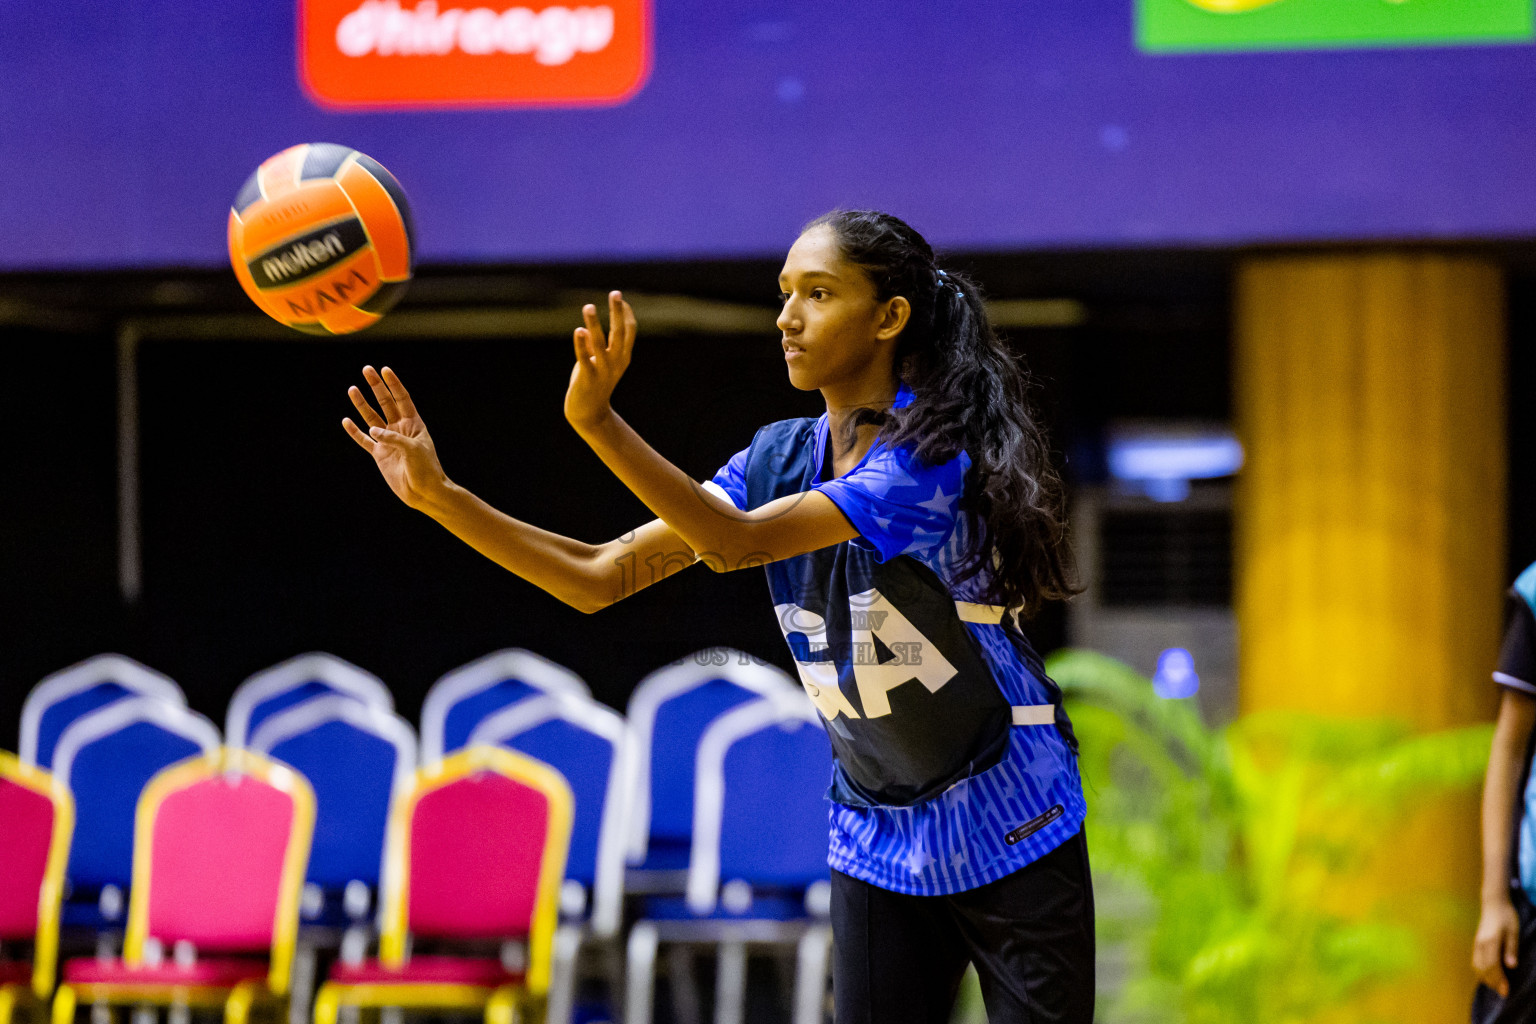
[
  {"x": 585, "y": 742},
  {"x": 668, "y": 713},
  {"x": 298, "y": 679},
  {"x": 66, "y": 695},
  {"x": 465, "y": 697},
  {"x": 757, "y": 870},
  {"x": 105, "y": 758}
]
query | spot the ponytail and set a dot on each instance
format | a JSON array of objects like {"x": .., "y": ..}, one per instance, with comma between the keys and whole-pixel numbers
[{"x": 971, "y": 394}]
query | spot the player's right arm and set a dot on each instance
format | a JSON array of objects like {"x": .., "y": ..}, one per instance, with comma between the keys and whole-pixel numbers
[
  {"x": 1496, "y": 945},
  {"x": 585, "y": 576}
]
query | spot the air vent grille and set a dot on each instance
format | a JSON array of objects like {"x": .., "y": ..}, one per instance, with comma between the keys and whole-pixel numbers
[{"x": 1157, "y": 557}]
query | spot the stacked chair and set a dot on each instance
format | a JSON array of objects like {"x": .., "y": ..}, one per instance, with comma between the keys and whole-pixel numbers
[
  {"x": 476, "y": 858},
  {"x": 668, "y": 713},
  {"x": 80, "y": 689},
  {"x": 683, "y": 720},
  {"x": 335, "y": 724},
  {"x": 757, "y": 863},
  {"x": 296, "y": 680},
  {"x": 104, "y": 727},
  {"x": 39, "y": 820},
  {"x": 218, "y": 863},
  {"x": 317, "y": 857},
  {"x": 463, "y": 698},
  {"x": 107, "y": 758},
  {"x": 586, "y": 742}
]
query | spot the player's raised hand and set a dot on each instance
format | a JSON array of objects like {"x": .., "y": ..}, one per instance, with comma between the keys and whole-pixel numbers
[
  {"x": 600, "y": 361},
  {"x": 397, "y": 439}
]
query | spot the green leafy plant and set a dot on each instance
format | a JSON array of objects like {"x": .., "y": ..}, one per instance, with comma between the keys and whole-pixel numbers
[{"x": 1217, "y": 853}]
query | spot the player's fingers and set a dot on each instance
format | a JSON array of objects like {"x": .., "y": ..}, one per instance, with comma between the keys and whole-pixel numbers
[
  {"x": 631, "y": 329},
  {"x": 357, "y": 435},
  {"x": 617, "y": 327},
  {"x": 1511, "y": 948},
  {"x": 381, "y": 394},
  {"x": 583, "y": 345},
  {"x": 594, "y": 325},
  {"x": 402, "y": 396},
  {"x": 364, "y": 410},
  {"x": 1486, "y": 951}
]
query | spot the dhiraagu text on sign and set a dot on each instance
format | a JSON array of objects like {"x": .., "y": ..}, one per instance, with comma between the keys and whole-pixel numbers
[{"x": 1184, "y": 26}]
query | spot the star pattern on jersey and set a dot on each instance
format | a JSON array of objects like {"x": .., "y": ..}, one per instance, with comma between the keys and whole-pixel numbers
[
  {"x": 890, "y": 472},
  {"x": 923, "y": 539},
  {"x": 902, "y": 506},
  {"x": 920, "y": 860},
  {"x": 940, "y": 504}
]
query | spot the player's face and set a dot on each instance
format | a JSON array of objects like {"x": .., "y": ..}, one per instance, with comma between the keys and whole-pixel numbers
[{"x": 836, "y": 332}]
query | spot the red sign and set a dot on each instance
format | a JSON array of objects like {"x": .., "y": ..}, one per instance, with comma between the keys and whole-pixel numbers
[{"x": 388, "y": 53}]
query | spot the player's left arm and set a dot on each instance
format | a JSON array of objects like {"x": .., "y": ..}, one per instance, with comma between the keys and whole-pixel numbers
[
  {"x": 724, "y": 536},
  {"x": 1496, "y": 945}
]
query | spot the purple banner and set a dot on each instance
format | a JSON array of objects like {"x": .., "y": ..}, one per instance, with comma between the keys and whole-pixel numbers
[{"x": 126, "y": 128}]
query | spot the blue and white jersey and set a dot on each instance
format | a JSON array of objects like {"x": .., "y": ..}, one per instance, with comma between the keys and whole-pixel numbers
[{"x": 955, "y": 764}]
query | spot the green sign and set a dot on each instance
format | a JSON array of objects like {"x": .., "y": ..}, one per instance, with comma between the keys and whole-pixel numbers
[{"x": 1191, "y": 26}]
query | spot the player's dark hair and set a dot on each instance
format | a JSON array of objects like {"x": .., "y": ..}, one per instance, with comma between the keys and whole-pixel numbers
[{"x": 969, "y": 392}]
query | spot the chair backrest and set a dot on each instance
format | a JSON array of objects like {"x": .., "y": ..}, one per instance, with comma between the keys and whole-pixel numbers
[
  {"x": 357, "y": 758},
  {"x": 298, "y": 679},
  {"x": 477, "y": 850},
  {"x": 461, "y": 699},
  {"x": 584, "y": 741},
  {"x": 68, "y": 694},
  {"x": 668, "y": 712},
  {"x": 39, "y": 818},
  {"x": 219, "y": 859},
  {"x": 106, "y": 758},
  {"x": 760, "y": 814}
]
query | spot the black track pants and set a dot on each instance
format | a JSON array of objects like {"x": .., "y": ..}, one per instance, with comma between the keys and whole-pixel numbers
[{"x": 899, "y": 959}]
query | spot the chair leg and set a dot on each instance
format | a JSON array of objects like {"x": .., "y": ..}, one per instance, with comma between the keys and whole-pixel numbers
[
  {"x": 301, "y": 983},
  {"x": 237, "y": 1007},
  {"x": 812, "y": 954},
  {"x": 640, "y": 982},
  {"x": 502, "y": 1007},
  {"x": 730, "y": 981},
  {"x": 683, "y": 982},
  {"x": 64, "y": 1005},
  {"x": 327, "y": 1005},
  {"x": 562, "y": 974}
]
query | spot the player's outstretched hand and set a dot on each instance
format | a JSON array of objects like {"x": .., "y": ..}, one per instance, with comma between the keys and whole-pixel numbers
[
  {"x": 1496, "y": 946},
  {"x": 397, "y": 440},
  {"x": 600, "y": 362}
]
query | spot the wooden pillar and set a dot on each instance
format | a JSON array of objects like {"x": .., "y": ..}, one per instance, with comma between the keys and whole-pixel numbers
[{"x": 1371, "y": 400}]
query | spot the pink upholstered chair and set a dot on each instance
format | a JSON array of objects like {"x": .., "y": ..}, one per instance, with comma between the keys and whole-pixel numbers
[
  {"x": 476, "y": 851},
  {"x": 220, "y": 845},
  {"x": 39, "y": 817}
]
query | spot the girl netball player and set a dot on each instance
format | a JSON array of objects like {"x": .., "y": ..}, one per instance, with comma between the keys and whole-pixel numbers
[{"x": 903, "y": 532}]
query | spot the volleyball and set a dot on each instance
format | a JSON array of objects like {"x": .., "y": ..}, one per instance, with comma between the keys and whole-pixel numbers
[{"x": 321, "y": 238}]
